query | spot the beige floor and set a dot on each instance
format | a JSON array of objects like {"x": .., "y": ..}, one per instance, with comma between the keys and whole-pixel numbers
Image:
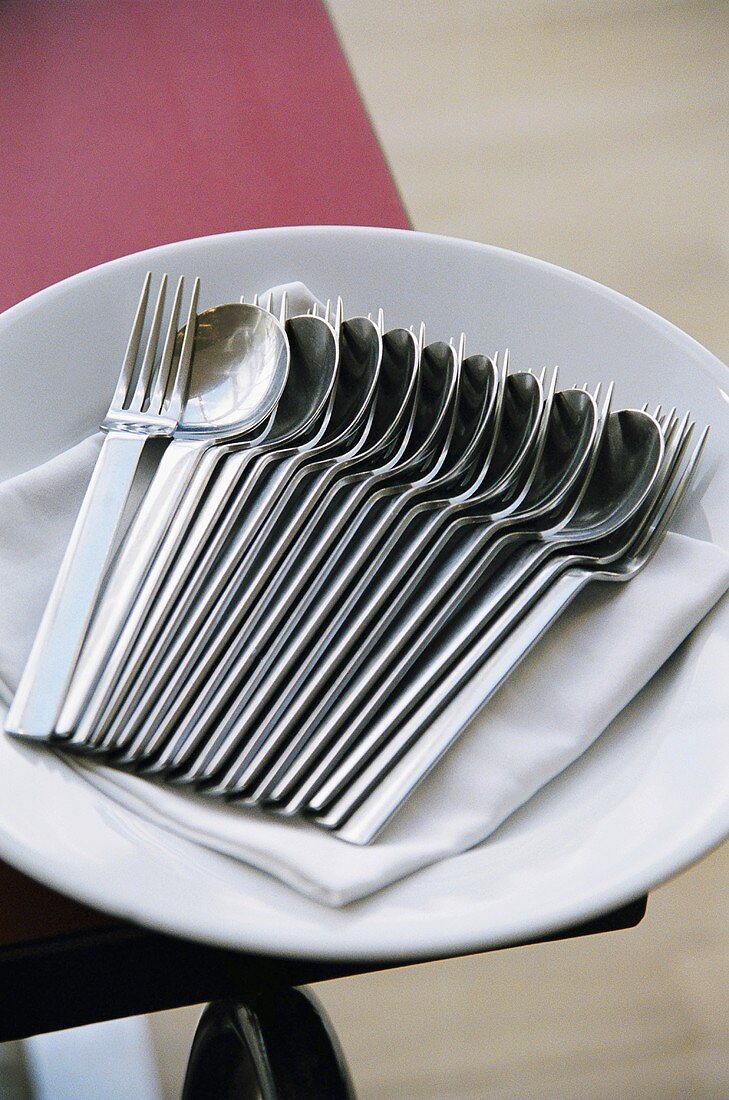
[{"x": 592, "y": 134}]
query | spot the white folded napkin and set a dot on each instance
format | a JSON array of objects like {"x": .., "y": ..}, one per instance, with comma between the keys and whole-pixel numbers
[{"x": 610, "y": 643}]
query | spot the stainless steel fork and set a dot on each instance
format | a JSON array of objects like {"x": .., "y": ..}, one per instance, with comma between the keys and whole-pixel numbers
[{"x": 147, "y": 402}]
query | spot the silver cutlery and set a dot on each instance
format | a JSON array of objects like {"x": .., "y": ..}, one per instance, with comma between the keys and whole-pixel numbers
[
  {"x": 572, "y": 439},
  {"x": 250, "y": 479},
  {"x": 520, "y": 438},
  {"x": 382, "y": 788},
  {"x": 360, "y": 360},
  {"x": 426, "y": 438},
  {"x": 371, "y": 722},
  {"x": 469, "y": 425},
  {"x": 437, "y": 361},
  {"x": 240, "y": 361},
  {"x": 628, "y": 467},
  {"x": 390, "y": 436},
  {"x": 349, "y": 541},
  {"x": 148, "y": 402}
]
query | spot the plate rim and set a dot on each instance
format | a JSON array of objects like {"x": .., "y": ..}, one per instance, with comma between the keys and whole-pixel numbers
[{"x": 19, "y": 308}]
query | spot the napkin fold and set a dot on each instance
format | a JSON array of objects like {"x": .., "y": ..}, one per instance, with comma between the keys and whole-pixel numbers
[{"x": 609, "y": 643}]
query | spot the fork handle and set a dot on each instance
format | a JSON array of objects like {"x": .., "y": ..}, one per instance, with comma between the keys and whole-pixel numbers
[{"x": 60, "y": 636}]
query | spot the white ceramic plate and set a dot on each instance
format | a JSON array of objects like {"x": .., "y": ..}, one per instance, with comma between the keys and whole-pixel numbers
[{"x": 652, "y": 795}]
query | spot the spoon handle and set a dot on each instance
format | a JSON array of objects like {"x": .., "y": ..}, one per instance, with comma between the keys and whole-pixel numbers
[
  {"x": 160, "y": 607},
  {"x": 503, "y": 592},
  {"x": 58, "y": 642},
  {"x": 404, "y": 761},
  {"x": 156, "y": 511}
]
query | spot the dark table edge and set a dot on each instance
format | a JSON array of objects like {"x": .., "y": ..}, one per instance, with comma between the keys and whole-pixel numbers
[{"x": 87, "y": 977}]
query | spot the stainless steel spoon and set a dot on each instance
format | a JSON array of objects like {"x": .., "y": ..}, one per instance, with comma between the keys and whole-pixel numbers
[
  {"x": 462, "y": 428},
  {"x": 359, "y": 692},
  {"x": 560, "y": 488},
  {"x": 400, "y": 564},
  {"x": 426, "y": 440},
  {"x": 478, "y": 390},
  {"x": 253, "y": 496},
  {"x": 391, "y": 431},
  {"x": 439, "y": 386}
]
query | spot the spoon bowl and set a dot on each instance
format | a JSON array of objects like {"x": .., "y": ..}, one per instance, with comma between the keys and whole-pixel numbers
[
  {"x": 630, "y": 455},
  {"x": 516, "y": 433},
  {"x": 571, "y": 431},
  {"x": 309, "y": 387},
  {"x": 239, "y": 370}
]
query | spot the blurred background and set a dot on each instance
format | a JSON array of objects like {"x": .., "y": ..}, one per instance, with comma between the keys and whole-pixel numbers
[{"x": 593, "y": 135}]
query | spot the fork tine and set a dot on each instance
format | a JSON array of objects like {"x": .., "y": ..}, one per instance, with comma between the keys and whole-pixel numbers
[
  {"x": 338, "y": 316},
  {"x": 269, "y": 302},
  {"x": 671, "y": 498},
  {"x": 607, "y": 403},
  {"x": 282, "y": 313},
  {"x": 676, "y": 443},
  {"x": 421, "y": 337},
  {"x": 670, "y": 416},
  {"x": 671, "y": 420},
  {"x": 675, "y": 429},
  {"x": 144, "y": 379},
  {"x": 159, "y": 387},
  {"x": 182, "y": 375},
  {"x": 255, "y": 300},
  {"x": 123, "y": 385}
]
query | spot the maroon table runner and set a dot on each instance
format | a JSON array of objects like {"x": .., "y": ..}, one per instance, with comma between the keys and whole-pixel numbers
[{"x": 125, "y": 125}]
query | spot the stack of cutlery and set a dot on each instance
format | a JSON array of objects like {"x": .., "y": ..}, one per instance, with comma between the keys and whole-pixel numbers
[{"x": 351, "y": 538}]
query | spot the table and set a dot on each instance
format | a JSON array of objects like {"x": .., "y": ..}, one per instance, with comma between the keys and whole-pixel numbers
[{"x": 125, "y": 126}]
